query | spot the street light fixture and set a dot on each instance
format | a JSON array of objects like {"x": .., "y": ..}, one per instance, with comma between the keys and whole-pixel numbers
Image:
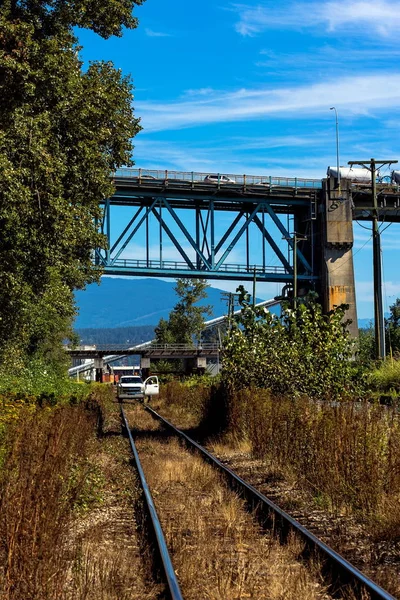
[{"x": 337, "y": 145}]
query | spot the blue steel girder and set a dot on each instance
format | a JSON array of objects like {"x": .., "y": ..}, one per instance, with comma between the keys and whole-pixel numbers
[
  {"x": 272, "y": 243},
  {"x": 172, "y": 238},
  {"x": 187, "y": 235},
  {"x": 211, "y": 251},
  {"x": 238, "y": 236},
  {"x": 288, "y": 237}
]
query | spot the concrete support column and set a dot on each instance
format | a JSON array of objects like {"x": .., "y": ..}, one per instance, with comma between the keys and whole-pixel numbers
[
  {"x": 145, "y": 367},
  {"x": 337, "y": 268},
  {"x": 99, "y": 366}
]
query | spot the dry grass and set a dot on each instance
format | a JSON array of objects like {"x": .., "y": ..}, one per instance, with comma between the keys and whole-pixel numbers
[
  {"x": 109, "y": 557},
  {"x": 346, "y": 455},
  {"x": 344, "y": 459},
  {"x": 67, "y": 526},
  {"x": 349, "y": 454},
  {"x": 42, "y": 478},
  {"x": 218, "y": 549}
]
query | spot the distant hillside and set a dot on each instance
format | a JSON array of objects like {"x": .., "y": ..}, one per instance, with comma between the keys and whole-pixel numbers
[
  {"x": 367, "y": 323},
  {"x": 116, "y": 335},
  {"x": 118, "y": 302}
]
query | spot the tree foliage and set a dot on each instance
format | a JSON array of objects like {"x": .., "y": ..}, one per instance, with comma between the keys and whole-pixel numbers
[
  {"x": 303, "y": 353},
  {"x": 186, "y": 320},
  {"x": 63, "y": 131},
  {"x": 393, "y": 328}
]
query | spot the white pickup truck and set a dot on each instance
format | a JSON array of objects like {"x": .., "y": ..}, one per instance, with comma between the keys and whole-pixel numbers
[{"x": 133, "y": 386}]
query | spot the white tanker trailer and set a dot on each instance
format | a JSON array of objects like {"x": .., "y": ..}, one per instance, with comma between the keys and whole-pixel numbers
[
  {"x": 396, "y": 177},
  {"x": 357, "y": 175}
]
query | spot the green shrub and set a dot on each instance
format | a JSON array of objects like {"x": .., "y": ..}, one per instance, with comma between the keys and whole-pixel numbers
[
  {"x": 304, "y": 353},
  {"x": 384, "y": 381}
]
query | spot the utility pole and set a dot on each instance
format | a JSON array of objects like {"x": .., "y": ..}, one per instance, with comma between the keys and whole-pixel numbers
[
  {"x": 295, "y": 238},
  {"x": 372, "y": 166},
  {"x": 254, "y": 287}
]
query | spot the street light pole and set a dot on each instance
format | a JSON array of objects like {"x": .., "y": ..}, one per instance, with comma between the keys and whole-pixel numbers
[{"x": 337, "y": 145}]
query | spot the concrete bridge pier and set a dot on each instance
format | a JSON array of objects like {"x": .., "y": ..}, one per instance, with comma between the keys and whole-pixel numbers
[
  {"x": 99, "y": 366},
  {"x": 336, "y": 251}
]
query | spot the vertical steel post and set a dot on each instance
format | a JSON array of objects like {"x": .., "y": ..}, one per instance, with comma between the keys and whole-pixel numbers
[
  {"x": 295, "y": 271},
  {"x": 247, "y": 245},
  {"x": 161, "y": 248},
  {"x": 212, "y": 233},
  {"x": 377, "y": 258},
  {"x": 198, "y": 214},
  {"x": 377, "y": 261},
  {"x": 147, "y": 241},
  {"x": 108, "y": 231},
  {"x": 263, "y": 238}
]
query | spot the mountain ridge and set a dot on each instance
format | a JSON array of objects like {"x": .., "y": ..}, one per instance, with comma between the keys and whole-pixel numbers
[
  {"x": 132, "y": 302},
  {"x": 119, "y": 302}
]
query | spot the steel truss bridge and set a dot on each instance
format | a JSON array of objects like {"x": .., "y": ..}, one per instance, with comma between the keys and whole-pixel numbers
[
  {"x": 297, "y": 232},
  {"x": 177, "y": 224}
]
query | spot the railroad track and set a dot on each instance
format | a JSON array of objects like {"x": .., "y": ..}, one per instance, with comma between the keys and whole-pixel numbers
[{"x": 338, "y": 573}]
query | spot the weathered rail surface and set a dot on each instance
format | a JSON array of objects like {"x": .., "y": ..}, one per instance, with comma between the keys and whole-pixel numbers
[
  {"x": 165, "y": 559},
  {"x": 337, "y": 571}
]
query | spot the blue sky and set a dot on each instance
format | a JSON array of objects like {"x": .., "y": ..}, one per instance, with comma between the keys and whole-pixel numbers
[{"x": 246, "y": 88}]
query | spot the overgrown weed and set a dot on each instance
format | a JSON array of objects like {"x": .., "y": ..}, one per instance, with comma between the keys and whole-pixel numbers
[
  {"x": 43, "y": 476},
  {"x": 347, "y": 455},
  {"x": 384, "y": 382}
]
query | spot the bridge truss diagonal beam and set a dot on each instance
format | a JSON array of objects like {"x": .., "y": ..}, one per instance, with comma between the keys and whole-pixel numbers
[
  {"x": 204, "y": 232},
  {"x": 187, "y": 235},
  {"x": 173, "y": 238},
  {"x": 238, "y": 236},
  {"x": 287, "y": 236},
  {"x": 273, "y": 244}
]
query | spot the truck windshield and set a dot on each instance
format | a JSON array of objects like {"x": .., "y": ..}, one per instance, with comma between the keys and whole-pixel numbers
[{"x": 131, "y": 380}]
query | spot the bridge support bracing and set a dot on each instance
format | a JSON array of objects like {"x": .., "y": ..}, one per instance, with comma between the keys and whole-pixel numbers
[{"x": 337, "y": 268}]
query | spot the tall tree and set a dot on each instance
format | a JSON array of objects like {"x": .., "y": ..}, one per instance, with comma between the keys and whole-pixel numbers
[
  {"x": 393, "y": 328},
  {"x": 63, "y": 131},
  {"x": 186, "y": 320}
]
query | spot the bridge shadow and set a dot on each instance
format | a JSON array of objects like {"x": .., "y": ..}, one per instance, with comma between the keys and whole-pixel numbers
[{"x": 213, "y": 423}]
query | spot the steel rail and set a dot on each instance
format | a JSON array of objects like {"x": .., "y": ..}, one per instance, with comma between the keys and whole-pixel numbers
[
  {"x": 347, "y": 574},
  {"x": 170, "y": 575}
]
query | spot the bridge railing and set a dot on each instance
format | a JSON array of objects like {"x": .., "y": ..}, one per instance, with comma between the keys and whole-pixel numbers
[
  {"x": 206, "y": 346},
  {"x": 180, "y": 265},
  {"x": 148, "y": 177}
]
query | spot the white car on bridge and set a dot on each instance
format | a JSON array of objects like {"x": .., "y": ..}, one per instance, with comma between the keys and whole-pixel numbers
[{"x": 218, "y": 179}]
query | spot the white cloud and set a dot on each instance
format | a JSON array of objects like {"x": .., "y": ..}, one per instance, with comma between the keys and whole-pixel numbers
[
  {"x": 345, "y": 57},
  {"x": 365, "y": 291},
  {"x": 357, "y": 95},
  {"x": 359, "y": 17},
  {"x": 151, "y": 33},
  {"x": 390, "y": 239},
  {"x": 205, "y": 91}
]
